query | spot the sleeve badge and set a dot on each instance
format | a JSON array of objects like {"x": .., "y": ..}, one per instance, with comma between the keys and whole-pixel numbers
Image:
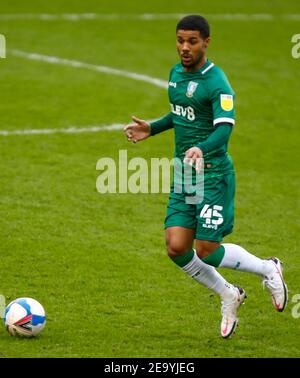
[{"x": 226, "y": 102}]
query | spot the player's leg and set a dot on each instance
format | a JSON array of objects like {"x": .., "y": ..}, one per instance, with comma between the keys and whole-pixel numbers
[
  {"x": 214, "y": 222},
  {"x": 233, "y": 256},
  {"x": 231, "y": 299},
  {"x": 179, "y": 241},
  {"x": 180, "y": 224}
]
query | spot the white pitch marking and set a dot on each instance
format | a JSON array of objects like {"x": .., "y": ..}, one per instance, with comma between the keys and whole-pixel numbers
[
  {"x": 69, "y": 130},
  {"x": 144, "y": 17},
  {"x": 77, "y": 64}
]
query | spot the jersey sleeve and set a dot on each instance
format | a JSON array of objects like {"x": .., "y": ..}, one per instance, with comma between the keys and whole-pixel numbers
[
  {"x": 162, "y": 124},
  {"x": 216, "y": 139},
  {"x": 222, "y": 99}
]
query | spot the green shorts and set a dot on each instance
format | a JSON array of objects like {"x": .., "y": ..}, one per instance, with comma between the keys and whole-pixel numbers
[{"x": 212, "y": 218}]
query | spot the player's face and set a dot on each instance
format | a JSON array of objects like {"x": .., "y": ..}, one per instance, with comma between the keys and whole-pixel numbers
[{"x": 191, "y": 48}]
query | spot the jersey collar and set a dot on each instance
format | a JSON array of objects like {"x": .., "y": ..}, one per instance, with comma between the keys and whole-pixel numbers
[{"x": 202, "y": 70}]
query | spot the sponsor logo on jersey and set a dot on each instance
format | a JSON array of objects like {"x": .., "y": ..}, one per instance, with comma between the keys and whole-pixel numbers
[
  {"x": 172, "y": 84},
  {"x": 226, "y": 102},
  {"x": 192, "y": 86},
  {"x": 187, "y": 112}
]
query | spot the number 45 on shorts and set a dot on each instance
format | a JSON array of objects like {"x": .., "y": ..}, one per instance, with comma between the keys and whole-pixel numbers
[{"x": 213, "y": 217}]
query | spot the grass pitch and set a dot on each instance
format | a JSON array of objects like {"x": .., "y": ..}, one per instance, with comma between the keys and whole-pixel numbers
[{"x": 97, "y": 262}]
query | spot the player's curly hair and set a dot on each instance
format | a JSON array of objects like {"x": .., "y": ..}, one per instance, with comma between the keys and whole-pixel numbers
[{"x": 194, "y": 22}]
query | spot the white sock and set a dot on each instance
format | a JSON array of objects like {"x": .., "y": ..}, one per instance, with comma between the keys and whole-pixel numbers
[
  {"x": 238, "y": 258},
  {"x": 207, "y": 276}
]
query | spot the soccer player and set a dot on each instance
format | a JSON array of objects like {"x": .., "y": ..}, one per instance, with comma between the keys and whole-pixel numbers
[{"x": 202, "y": 116}]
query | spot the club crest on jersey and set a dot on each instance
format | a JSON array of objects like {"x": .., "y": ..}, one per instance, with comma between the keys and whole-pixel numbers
[
  {"x": 226, "y": 102},
  {"x": 192, "y": 86}
]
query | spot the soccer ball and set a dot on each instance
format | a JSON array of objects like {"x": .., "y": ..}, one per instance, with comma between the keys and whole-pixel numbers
[{"x": 24, "y": 317}]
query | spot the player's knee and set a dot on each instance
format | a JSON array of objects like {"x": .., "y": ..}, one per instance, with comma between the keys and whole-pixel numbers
[
  {"x": 205, "y": 248},
  {"x": 175, "y": 248},
  {"x": 202, "y": 251}
]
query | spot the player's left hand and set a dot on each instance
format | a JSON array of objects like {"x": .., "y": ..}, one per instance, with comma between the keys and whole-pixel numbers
[{"x": 194, "y": 156}]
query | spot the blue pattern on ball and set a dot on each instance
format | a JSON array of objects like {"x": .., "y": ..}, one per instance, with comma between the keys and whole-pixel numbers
[
  {"x": 37, "y": 319},
  {"x": 25, "y": 305}
]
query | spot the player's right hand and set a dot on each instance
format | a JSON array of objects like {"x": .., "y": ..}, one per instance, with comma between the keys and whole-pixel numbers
[{"x": 139, "y": 130}]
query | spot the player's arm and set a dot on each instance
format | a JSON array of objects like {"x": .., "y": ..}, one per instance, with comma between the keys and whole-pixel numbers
[
  {"x": 216, "y": 140},
  {"x": 221, "y": 96},
  {"x": 162, "y": 124}
]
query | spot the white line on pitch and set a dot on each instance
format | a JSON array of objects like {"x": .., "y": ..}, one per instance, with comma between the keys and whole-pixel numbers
[
  {"x": 77, "y": 64},
  {"x": 145, "y": 16},
  {"x": 69, "y": 130}
]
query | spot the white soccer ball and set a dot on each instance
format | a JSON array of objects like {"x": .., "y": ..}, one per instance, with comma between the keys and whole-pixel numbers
[{"x": 24, "y": 317}]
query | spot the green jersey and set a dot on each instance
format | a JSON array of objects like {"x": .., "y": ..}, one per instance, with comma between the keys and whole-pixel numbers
[{"x": 200, "y": 101}]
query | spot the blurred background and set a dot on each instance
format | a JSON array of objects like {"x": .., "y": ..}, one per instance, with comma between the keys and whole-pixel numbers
[{"x": 97, "y": 262}]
